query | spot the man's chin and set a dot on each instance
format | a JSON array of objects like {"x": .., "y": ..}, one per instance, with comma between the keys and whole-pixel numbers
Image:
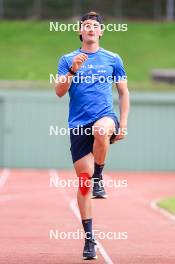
[{"x": 91, "y": 41}]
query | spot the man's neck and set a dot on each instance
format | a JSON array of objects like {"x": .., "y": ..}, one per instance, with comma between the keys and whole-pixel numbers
[{"x": 90, "y": 48}]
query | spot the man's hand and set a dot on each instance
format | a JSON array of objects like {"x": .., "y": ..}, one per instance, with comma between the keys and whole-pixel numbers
[
  {"x": 122, "y": 132},
  {"x": 78, "y": 61},
  {"x": 124, "y": 109}
]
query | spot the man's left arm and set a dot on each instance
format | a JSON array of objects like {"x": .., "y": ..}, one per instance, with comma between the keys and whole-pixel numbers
[{"x": 124, "y": 106}]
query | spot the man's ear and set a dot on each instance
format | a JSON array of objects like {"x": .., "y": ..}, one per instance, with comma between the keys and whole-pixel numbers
[{"x": 101, "y": 33}]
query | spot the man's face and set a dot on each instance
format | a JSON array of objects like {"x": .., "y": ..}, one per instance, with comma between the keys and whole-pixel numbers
[{"x": 90, "y": 31}]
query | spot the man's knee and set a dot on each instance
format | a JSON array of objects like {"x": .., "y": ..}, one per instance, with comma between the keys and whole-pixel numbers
[
  {"x": 103, "y": 129},
  {"x": 84, "y": 183},
  {"x": 100, "y": 134},
  {"x": 85, "y": 164}
]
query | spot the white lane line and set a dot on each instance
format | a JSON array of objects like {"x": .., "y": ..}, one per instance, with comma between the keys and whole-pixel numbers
[
  {"x": 162, "y": 211},
  {"x": 4, "y": 176},
  {"x": 73, "y": 205}
]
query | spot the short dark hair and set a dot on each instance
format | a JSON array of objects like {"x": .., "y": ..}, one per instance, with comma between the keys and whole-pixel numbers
[{"x": 91, "y": 15}]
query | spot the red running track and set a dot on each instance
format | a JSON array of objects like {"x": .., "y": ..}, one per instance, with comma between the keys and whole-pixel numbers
[{"x": 30, "y": 208}]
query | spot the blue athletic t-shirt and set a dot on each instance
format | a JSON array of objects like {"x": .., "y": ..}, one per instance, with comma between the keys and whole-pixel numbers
[{"x": 91, "y": 88}]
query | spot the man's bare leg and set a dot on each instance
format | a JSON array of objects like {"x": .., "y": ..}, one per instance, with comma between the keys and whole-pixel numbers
[
  {"x": 103, "y": 130},
  {"x": 84, "y": 165}
]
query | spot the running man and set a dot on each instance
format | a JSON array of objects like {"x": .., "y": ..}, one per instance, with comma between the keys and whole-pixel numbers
[{"x": 87, "y": 75}]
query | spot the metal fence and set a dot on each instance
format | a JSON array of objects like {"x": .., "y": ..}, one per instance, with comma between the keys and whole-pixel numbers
[{"x": 64, "y": 9}]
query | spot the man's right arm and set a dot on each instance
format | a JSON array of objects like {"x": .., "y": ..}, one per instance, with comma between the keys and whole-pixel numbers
[{"x": 64, "y": 81}]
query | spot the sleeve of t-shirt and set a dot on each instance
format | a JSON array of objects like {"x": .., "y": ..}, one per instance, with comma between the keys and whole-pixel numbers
[
  {"x": 63, "y": 67},
  {"x": 119, "y": 70}
]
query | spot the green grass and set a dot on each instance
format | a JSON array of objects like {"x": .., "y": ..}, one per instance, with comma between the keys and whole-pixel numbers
[
  {"x": 168, "y": 204},
  {"x": 28, "y": 51}
]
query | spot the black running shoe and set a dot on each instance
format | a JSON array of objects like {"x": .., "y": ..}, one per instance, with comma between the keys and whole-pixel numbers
[
  {"x": 98, "y": 191},
  {"x": 89, "y": 251}
]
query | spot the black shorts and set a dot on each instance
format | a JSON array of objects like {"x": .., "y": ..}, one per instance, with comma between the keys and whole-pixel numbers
[{"x": 82, "y": 140}]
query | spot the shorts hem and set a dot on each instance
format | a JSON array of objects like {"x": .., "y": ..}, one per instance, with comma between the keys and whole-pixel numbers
[{"x": 81, "y": 156}]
